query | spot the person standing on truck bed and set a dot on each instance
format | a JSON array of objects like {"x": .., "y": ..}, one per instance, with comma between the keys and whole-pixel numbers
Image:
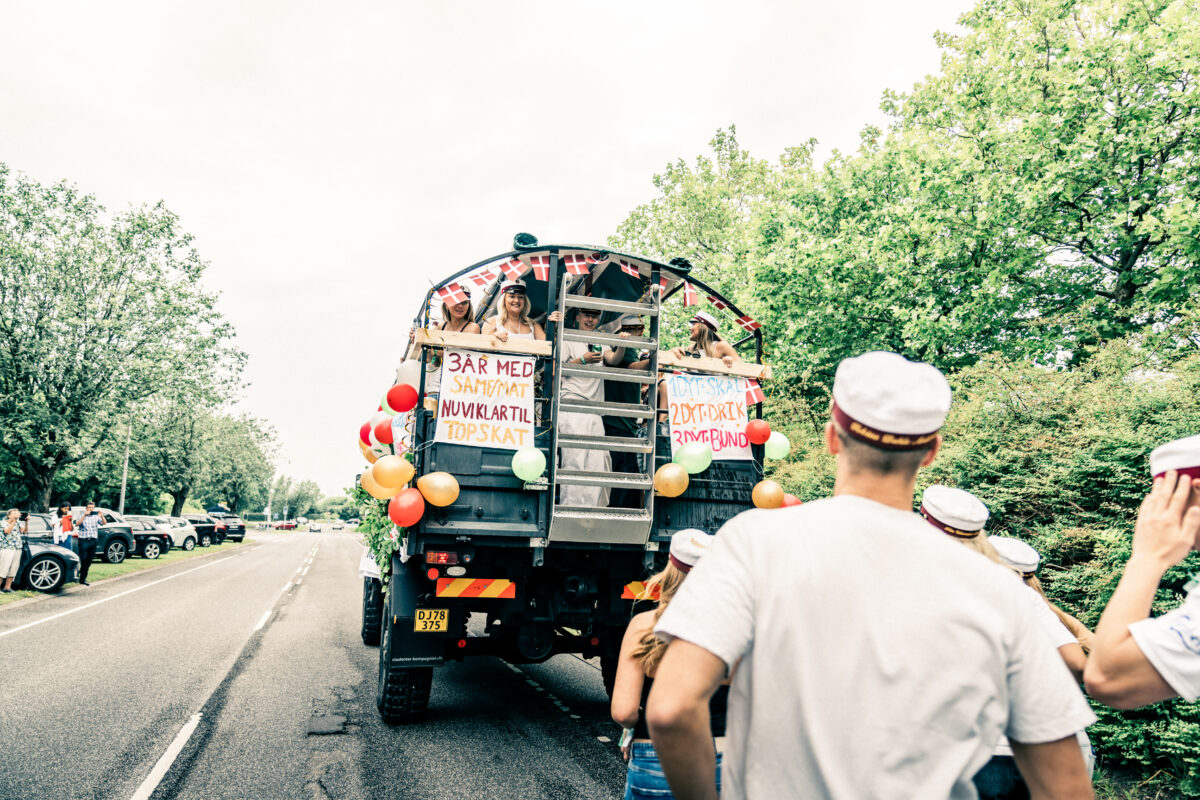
[
  {"x": 857, "y": 675},
  {"x": 625, "y": 392},
  {"x": 705, "y": 341},
  {"x": 512, "y": 318},
  {"x": 457, "y": 318}
]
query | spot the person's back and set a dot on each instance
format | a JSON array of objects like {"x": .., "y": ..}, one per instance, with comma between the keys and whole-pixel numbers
[{"x": 899, "y": 643}]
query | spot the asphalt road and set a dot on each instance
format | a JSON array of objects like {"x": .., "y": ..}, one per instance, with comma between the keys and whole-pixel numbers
[{"x": 243, "y": 676}]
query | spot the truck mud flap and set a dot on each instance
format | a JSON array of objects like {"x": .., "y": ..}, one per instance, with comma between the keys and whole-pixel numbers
[{"x": 405, "y": 647}]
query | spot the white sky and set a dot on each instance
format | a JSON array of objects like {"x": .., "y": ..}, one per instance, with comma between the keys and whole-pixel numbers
[{"x": 333, "y": 158}]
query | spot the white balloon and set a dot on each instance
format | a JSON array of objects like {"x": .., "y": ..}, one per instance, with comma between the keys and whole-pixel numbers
[
  {"x": 410, "y": 373},
  {"x": 380, "y": 449},
  {"x": 374, "y": 441}
]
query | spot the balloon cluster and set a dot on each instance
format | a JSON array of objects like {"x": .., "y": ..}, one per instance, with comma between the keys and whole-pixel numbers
[{"x": 768, "y": 493}]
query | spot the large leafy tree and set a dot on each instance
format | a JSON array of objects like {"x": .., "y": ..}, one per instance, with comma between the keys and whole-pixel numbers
[
  {"x": 173, "y": 447},
  {"x": 96, "y": 315},
  {"x": 239, "y": 467}
]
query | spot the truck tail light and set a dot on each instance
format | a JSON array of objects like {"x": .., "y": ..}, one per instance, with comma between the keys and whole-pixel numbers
[{"x": 441, "y": 557}]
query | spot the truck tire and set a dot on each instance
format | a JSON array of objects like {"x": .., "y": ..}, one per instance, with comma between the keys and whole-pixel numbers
[
  {"x": 372, "y": 612},
  {"x": 403, "y": 694}
]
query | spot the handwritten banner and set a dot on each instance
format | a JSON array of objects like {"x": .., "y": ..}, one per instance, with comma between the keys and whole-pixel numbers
[
  {"x": 486, "y": 400},
  {"x": 709, "y": 409}
]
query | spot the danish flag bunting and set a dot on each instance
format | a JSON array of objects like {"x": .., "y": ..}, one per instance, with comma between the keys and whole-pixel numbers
[
  {"x": 452, "y": 294},
  {"x": 689, "y": 295},
  {"x": 720, "y": 304},
  {"x": 754, "y": 393},
  {"x": 662, "y": 283},
  {"x": 541, "y": 267},
  {"x": 597, "y": 258},
  {"x": 628, "y": 269},
  {"x": 513, "y": 269},
  {"x": 748, "y": 324},
  {"x": 483, "y": 278},
  {"x": 576, "y": 264}
]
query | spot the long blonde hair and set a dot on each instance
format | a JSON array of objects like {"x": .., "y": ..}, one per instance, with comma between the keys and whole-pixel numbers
[
  {"x": 446, "y": 315},
  {"x": 980, "y": 544},
  {"x": 650, "y": 649},
  {"x": 1032, "y": 582},
  {"x": 502, "y": 313},
  {"x": 707, "y": 341}
]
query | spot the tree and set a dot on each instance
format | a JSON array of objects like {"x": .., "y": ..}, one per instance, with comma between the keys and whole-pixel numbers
[
  {"x": 240, "y": 468},
  {"x": 303, "y": 498},
  {"x": 95, "y": 316},
  {"x": 172, "y": 446}
]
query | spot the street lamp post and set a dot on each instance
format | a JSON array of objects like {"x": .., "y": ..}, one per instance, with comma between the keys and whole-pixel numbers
[{"x": 125, "y": 469}]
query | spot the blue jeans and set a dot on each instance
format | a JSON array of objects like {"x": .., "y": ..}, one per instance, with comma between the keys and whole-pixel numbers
[
  {"x": 1000, "y": 780},
  {"x": 645, "y": 777}
]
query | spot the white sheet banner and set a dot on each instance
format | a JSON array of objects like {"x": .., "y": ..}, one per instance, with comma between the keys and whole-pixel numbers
[
  {"x": 486, "y": 400},
  {"x": 709, "y": 409}
]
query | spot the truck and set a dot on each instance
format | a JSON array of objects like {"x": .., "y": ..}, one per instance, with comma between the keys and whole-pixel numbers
[{"x": 508, "y": 569}]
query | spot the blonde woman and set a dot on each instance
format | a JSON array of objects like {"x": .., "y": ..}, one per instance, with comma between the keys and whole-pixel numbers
[
  {"x": 513, "y": 317},
  {"x": 1025, "y": 560},
  {"x": 706, "y": 341},
  {"x": 641, "y": 652},
  {"x": 10, "y": 547}
]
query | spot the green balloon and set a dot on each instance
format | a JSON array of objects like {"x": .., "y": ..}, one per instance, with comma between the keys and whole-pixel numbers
[
  {"x": 528, "y": 464},
  {"x": 694, "y": 457},
  {"x": 385, "y": 408},
  {"x": 777, "y": 446}
]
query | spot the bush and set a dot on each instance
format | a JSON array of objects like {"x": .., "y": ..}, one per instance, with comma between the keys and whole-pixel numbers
[{"x": 1060, "y": 458}]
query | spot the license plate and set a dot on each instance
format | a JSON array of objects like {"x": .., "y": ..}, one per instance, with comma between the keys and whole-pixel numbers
[{"x": 432, "y": 620}]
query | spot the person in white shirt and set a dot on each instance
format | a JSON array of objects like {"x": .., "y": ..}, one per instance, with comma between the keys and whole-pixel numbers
[
  {"x": 572, "y": 422},
  {"x": 860, "y": 675},
  {"x": 1137, "y": 660}
]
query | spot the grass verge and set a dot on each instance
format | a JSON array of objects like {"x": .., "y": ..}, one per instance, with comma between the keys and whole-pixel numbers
[{"x": 100, "y": 570}]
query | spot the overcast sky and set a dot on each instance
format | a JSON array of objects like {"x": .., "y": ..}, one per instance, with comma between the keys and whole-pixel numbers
[{"x": 333, "y": 158}]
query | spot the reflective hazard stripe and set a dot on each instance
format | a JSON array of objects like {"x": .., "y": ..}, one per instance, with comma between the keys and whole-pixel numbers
[
  {"x": 636, "y": 590},
  {"x": 487, "y": 588}
]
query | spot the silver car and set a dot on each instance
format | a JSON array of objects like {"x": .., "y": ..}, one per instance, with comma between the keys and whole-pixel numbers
[{"x": 183, "y": 535}]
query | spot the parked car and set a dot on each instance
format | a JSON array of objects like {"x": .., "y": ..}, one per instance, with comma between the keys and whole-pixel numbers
[
  {"x": 209, "y": 530},
  {"x": 235, "y": 527},
  {"x": 149, "y": 539},
  {"x": 115, "y": 540},
  {"x": 286, "y": 525},
  {"x": 183, "y": 534},
  {"x": 45, "y": 566}
]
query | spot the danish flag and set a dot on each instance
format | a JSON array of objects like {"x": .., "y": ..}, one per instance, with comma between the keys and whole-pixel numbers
[
  {"x": 689, "y": 295},
  {"x": 748, "y": 324},
  {"x": 541, "y": 267},
  {"x": 720, "y": 304},
  {"x": 513, "y": 269},
  {"x": 754, "y": 393},
  {"x": 452, "y": 294},
  {"x": 596, "y": 258},
  {"x": 576, "y": 264},
  {"x": 628, "y": 269},
  {"x": 483, "y": 278},
  {"x": 662, "y": 283}
]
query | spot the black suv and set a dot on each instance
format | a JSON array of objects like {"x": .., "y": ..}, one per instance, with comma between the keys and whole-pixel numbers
[
  {"x": 208, "y": 529},
  {"x": 148, "y": 540},
  {"x": 235, "y": 528},
  {"x": 45, "y": 566},
  {"x": 115, "y": 536}
]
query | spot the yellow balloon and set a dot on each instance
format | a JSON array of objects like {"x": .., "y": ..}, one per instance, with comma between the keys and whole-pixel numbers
[
  {"x": 392, "y": 472},
  {"x": 438, "y": 488},
  {"x": 767, "y": 494},
  {"x": 367, "y": 454},
  {"x": 373, "y": 488},
  {"x": 671, "y": 480}
]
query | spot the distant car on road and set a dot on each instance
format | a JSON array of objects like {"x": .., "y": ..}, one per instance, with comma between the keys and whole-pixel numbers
[
  {"x": 314, "y": 527},
  {"x": 115, "y": 537},
  {"x": 286, "y": 525},
  {"x": 338, "y": 525},
  {"x": 45, "y": 566}
]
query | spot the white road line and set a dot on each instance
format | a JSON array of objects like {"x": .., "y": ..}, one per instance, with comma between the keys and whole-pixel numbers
[
  {"x": 168, "y": 758},
  {"x": 263, "y": 621},
  {"x": 286, "y": 586},
  {"x": 305, "y": 571},
  {"x": 297, "y": 581},
  {"x": 114, "y": 597}
]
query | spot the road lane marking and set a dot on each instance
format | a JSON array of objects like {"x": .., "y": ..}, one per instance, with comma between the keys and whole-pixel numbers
[
  {"x": 305, "y": 571},
  {"x": 263, "y": 621},
  {"x": 168, "y": 758},
  {"x": 113, "y": 597}
]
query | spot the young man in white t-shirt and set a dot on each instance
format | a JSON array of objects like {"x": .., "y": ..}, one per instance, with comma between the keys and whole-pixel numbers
[
  {"x": 871, "y": 656},
  {"x": 1136, "y": 659}
]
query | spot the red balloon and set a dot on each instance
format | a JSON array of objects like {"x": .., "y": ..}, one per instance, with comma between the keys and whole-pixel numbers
[
  {"x": 383, "y": 431},
  {"x": 401, "y": 398},
  {"x": 364, "y": 433},
  {"x": 758, "y": 431},
  {"x": 791, "y": 500},
  {"x": 406, "y": 508}
]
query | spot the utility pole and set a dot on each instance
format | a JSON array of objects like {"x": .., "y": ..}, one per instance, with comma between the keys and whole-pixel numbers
[{"x": 125, "y": 469}]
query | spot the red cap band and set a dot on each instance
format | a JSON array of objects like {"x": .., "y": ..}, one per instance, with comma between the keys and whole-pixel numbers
[
  {"x": 679, "y": 565},
  {"x": 937, "y": 523},
  {"x": 877, "y": 438},
  {"x": 1191, "y": 472},
  {"x": 705, "y": 323}
]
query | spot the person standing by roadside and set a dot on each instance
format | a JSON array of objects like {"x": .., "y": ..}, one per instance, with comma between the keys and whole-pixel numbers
[
  {"x": 1138, "y": 659},
  {"x": 89, "y": 535},
  {"x": 10, "y": 548},
  {"x": 64, "y": 528},
  {"x": 857, "y": 675}
]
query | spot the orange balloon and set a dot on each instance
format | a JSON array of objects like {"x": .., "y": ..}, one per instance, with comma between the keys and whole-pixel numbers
[
  {"x": 371, "y": 487},
  {"x": 671, "y": 480},
  {"x": 392, "y": 472},
  {"x": 767, "y": 494},
  {"x": 438, "y": 488},
  {"x": 367, "y": 454}
]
